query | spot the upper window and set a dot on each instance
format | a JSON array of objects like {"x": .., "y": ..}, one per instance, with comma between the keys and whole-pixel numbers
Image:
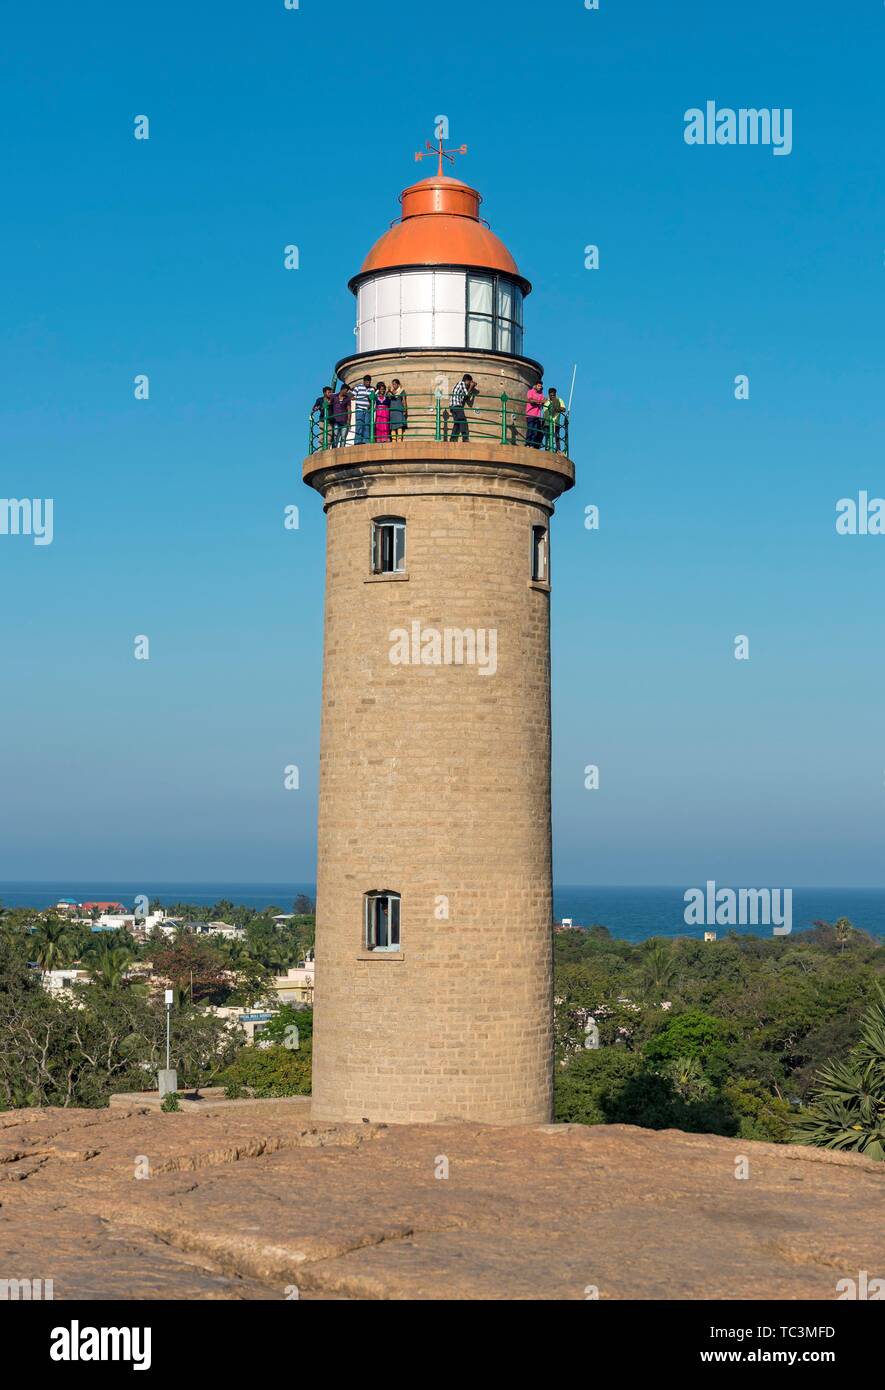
[
  {"x": 494, "y": 314},
  {"x": 388, "y": 545},
  {"x": 540, "y": 555},
  {"x": 439, "y": 308},
  {"x": 480, "y": 312},
  {"x": 381, "y": 931}
]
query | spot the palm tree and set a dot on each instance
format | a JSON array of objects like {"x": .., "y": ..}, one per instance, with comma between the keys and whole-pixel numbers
[
  {"x": 276, "y": 956},
  {"x": 848, "y": 1108},
  {"x": 51, "y": 944},
  {"x": 237, "y": 952},
  {"x": 843, "y": 932},
  {"x": 658, "y": 970},
  {"x": 79, "y": 938},
  {"x": 687, "y": 1077},
  {"x": 107, "y": 964}
]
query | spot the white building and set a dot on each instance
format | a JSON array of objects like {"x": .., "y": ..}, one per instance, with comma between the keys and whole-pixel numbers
[
  {"x": 296, "y": 986},
  {"x": 57, "y": 981},
  {"x": 116, "y": 921},
  {"x": 158, "y": 921},
  {"x": 252, "y": 1021},
  {"x": 225, "y": 929}
]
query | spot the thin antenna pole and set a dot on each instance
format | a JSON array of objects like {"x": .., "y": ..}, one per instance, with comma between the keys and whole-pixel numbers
[{"x": 572, "y": 388}]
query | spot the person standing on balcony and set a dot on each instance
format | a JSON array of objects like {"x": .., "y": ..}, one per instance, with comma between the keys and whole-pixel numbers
[
  {"x": 340, "y": 416},
  {"x": 322, "y": 408},
  {"x": 398, "y": 407},
  {"x": 554, "y": 414},
  {"x": 382, "y": 414},
  {"x": 464, "y": 394},
  {"x": 362, "y": 401},
  {"x": 534, "y": 405}
]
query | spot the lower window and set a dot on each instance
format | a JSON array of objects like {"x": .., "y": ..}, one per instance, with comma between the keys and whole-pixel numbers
[
  {"x": 540, "y": 555},
  {"x": 382, "y": 921},
  {"x": 388, "y": 545}
]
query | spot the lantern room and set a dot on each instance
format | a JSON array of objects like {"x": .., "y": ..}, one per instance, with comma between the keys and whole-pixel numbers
[{"x": 440, "y": 278}]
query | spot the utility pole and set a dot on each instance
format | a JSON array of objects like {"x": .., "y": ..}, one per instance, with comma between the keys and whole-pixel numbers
[{"x": 167, "y": 1081}]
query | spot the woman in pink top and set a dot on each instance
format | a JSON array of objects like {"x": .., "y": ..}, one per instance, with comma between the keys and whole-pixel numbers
[
  {"x": 382, "y": 414},
  {"x": 534, "y": 406}
]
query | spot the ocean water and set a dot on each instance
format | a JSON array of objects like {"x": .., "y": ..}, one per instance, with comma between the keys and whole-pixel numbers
[
  {"x": 258, "y": 895},
  {"x": 631, "y": 914},
  {"x": 634, "y": 914}
]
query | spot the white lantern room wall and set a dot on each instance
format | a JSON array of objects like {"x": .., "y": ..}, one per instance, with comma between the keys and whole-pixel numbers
[{"x": 440, "y": 308}]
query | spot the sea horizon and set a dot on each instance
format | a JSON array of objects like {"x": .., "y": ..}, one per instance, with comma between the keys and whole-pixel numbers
[{"x": 631, "y": 913}]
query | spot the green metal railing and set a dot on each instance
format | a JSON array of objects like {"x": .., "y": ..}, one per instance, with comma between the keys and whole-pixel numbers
[{"x": 432, "y": 417}]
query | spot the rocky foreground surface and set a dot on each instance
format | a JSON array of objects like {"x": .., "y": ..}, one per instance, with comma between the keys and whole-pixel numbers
[{"x": 253, "y": 1202}]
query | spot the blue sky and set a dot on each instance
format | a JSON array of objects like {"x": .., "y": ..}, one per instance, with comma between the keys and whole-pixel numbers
[{"x": 717, "y": 516}]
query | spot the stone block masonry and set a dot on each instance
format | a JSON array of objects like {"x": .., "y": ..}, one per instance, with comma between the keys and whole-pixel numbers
[{"x": 435, "y": 784}]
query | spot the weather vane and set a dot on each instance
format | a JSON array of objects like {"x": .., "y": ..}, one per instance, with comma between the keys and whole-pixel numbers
[{"x": 442, "y": 153}]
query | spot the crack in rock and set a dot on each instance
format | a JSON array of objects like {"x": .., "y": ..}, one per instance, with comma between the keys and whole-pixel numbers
[{"x": 258, "y": 1148}]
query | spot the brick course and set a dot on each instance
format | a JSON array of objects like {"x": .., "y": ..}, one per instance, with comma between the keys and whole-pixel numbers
[{"x": 435, "y": 781}]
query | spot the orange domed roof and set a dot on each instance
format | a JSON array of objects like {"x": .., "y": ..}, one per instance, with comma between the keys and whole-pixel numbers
[{"x": 440, "y": 226}]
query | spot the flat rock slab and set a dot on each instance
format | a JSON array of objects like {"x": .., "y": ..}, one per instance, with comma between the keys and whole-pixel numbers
[
  {"x": 212, "y": 1098},
  {"x": 252, "y": 1201}
]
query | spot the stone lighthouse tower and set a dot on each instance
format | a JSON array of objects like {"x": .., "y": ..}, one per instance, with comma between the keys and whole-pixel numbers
[{"x": 433, "y": 950}]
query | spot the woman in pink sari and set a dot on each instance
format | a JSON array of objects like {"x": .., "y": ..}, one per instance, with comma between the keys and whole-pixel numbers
[{"x": 382, "y": 414}]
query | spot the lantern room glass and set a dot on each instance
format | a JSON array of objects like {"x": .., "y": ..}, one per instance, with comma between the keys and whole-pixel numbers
[{"x": 440, "y": 308}]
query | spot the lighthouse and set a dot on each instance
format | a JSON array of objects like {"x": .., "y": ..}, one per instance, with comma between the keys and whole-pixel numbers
[{"x": 433, "y": 997}]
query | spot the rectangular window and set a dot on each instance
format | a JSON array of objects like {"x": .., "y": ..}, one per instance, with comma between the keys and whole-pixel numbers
[
  {"x": 506, "y": 297},
  {"x": 479, "y": 332},
  {"x": 481, "y": 312},
  {"x": 382, "y": 921},
  {"x": 540, "y": 557},
  {"x": 389, "y": 545},
  {"x": 480, "y": 295}
]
